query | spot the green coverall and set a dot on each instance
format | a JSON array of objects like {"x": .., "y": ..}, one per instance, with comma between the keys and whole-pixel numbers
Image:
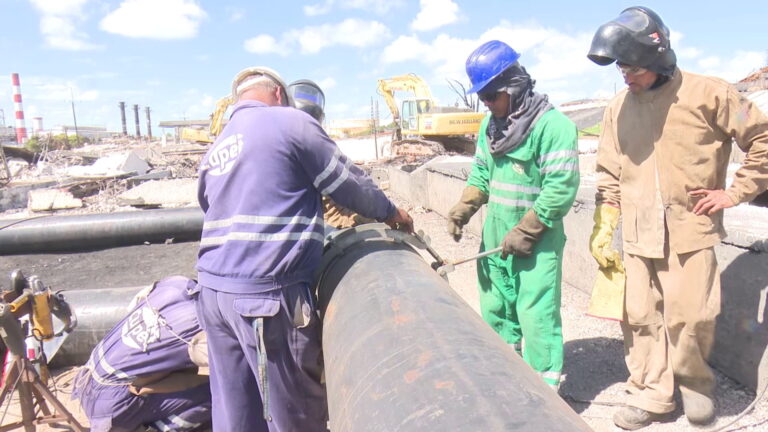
[{"x": 520, "y": 297}]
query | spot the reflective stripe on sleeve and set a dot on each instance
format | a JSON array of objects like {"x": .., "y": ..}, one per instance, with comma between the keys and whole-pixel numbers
[
  {"x": 563, "y": 166},
  {"x": 560, "y": 154}
]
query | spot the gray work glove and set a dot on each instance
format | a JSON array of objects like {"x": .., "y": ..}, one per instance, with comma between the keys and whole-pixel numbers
[
  {"x": 521, "y": 239},
  {"x": 471, "y": 200}
]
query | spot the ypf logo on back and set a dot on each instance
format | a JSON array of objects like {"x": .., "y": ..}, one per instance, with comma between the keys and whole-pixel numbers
[{"x": 224, "y": 155}]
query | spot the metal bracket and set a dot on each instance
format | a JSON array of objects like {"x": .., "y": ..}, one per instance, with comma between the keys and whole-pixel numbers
[{"x": 338, "y": 242}]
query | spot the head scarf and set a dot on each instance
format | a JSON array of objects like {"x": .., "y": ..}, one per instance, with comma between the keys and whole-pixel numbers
[{"x": 525, "y": 108}]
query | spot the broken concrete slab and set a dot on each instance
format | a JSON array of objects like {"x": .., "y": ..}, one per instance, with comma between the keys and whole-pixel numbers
[
  {"x": 15, "y": 195},
  {"x": 156, "y": 175},
  {"x": 16, "y": 166},
  {"x": 161, "y": 193},
  {"x": 52, "y": 199},
  {"x": 113, "y": 165}
]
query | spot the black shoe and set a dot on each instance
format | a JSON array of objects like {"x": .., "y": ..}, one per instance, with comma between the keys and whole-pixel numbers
[{"x": 632, "y": 418}]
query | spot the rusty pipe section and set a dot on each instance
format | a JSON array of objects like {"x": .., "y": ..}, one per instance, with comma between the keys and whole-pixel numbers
[
  {"x": 404, "y": 352},
  {"x": 98, "y": 231}
]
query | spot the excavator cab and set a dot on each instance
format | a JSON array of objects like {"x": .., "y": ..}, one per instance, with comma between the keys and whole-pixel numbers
[
  {"x": 411, "y": 113},
  {"x": 420, "y": 121}
]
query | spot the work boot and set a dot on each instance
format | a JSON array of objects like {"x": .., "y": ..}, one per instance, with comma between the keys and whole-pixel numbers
[
  {"x": 699, "y": 408},
  {"x": 631, "y": 418}
]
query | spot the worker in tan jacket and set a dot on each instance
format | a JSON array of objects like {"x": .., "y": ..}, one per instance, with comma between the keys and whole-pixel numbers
[{"x": 661, "y": 164}]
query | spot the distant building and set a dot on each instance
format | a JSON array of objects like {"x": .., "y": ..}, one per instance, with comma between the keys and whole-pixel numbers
[
  {"x": 755, "y": 88},
  {"x": 7, "y": 134},
  {"x": 754, "y": 82},
  {"x": 92, "y": 132},
  {"x": 348, "y": 127}
]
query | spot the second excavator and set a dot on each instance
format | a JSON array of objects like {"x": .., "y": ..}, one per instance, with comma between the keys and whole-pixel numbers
[{"x": 421, "y": 122}]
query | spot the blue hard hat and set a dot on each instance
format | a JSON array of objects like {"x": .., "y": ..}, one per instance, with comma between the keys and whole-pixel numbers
[{"x": 487, "y": 62}]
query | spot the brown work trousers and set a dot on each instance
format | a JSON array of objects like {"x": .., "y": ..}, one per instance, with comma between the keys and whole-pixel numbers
[{"x": 670, "y": 309}]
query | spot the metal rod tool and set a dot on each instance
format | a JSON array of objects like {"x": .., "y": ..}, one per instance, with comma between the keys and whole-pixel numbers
[{"x": 451, "y": 266}]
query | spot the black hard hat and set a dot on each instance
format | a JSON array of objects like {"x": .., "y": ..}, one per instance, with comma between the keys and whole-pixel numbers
[
  {"x": 637, "y": 37},
  {"x": 308, "y": 97}
]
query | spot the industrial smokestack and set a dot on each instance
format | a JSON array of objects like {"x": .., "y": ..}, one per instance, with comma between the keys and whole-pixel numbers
[
  {"x": 122, "y": 118},
  {"x": 37, "y": 125},
  {"x": 136, "y": 116},
  {"x": 149, "y": 123},
  {"x": 21, "y": 130}
]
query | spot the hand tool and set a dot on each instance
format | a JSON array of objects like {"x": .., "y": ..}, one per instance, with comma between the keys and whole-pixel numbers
[{"x": 451, "y": 266}]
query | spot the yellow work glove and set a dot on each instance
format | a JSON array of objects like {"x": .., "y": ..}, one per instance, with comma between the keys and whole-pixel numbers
[
  {"x": 471, "y": 200},
  {"x": 606, "y": 219},
  {"x": 521, "y": 239}
]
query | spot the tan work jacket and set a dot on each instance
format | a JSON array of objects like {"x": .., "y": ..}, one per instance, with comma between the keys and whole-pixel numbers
[{"x": 658, "y": 145}]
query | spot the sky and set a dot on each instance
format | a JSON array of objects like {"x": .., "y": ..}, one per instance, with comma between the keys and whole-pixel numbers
[{"x": 179, "y": 56}]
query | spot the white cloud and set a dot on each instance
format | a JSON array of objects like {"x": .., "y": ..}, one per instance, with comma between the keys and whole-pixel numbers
[
  {"x": 709, "y": 62},
  {"x": 405, "y": 48},
  {"x": 327, "y": 83},
  {"x": 688, "y": 53},
  {"x": 236, "y": 15},
  {"x": 263, "y": 44},
  {"x": 60, "y": 21},
  {"x": 340, "y": 109},
  {"x": 435, "y": 14},
  {"x": 203, "y": 107},
  {"x": 318, "y": 9},
  {"x": 552, "y": 57},
  {"x": 56, "y": 90},
  {"x": 59, "y": 7},
  {"x": 193, "y": 104},
  {"x": 736, "y": 67},
  {"x": 350, "y": 32},
  {"x": 155, "y": 19},
  {"x": 380, "y": 7}
]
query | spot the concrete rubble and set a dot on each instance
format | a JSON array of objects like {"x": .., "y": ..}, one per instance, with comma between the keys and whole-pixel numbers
[{"x": 115, "y": 175}]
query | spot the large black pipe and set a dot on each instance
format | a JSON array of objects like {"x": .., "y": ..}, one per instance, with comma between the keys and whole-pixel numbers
[
  {"x": 95, "y": 231},
  {"x": 403, "y": 352},
  {"x": 97, "y": 312}
]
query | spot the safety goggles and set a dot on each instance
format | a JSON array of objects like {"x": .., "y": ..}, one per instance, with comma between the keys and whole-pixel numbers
[
  {"x": 489, "y": 97},
  {"x": 628, "y": 70}
]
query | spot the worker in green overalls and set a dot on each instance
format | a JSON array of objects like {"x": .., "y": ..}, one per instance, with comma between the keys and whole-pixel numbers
[{"x": 526, "y": 168}]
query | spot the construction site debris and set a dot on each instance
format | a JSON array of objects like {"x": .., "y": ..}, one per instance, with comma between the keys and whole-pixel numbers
[
  {"x": 117, "y": 164},
  {"x": 41, "y": 200},
  {"x": 161, "y": 193}
]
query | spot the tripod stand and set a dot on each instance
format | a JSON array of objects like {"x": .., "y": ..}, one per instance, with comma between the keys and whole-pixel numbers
[{"x": 23, "y": 378}]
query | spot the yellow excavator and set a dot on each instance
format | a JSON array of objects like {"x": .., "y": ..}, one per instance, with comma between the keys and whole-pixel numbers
[
  {"x": 214, "y": 129},
  {"x": 423, "y": 124}
]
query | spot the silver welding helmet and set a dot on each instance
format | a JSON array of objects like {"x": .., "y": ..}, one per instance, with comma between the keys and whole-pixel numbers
[{"x": 308, "y": 97}]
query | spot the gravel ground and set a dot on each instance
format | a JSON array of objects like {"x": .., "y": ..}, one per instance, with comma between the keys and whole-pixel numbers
[{"x": 594, "y": 364}]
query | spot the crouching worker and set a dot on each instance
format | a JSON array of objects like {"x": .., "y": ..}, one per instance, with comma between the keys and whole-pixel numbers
[{"x": 142, "y": 374}]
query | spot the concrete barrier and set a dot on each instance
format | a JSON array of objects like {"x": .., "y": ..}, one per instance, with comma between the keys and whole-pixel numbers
[{"x": 742, "y": 327}]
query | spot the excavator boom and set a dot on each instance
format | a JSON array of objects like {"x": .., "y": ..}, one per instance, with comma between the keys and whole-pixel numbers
[{"x": 421, "y": 119}]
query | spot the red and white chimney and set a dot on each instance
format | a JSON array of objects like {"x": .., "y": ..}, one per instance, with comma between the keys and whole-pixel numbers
[{"x": 21, "y": 130}]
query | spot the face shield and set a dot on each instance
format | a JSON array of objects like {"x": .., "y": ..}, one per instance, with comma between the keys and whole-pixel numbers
[{"x": 308, "y": 97}]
